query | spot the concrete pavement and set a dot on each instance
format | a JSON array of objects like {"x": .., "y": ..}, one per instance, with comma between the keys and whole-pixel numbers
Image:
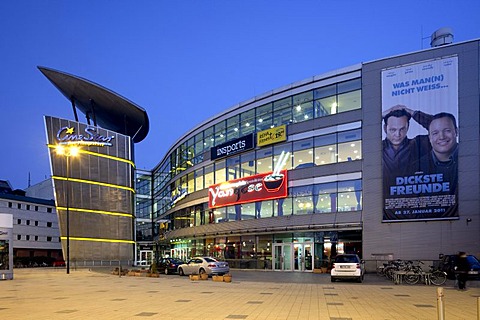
[{"x": 47, "y": 293}]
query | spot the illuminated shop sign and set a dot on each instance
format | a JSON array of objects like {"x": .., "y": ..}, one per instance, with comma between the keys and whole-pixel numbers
[
  {"x": 271, "y": 136},
  {"x": 90, "y": 137},
  {"x": 181, "y": 193},
  {"x": 232, "y": 147},
  {"x": 264, "y": 186}
]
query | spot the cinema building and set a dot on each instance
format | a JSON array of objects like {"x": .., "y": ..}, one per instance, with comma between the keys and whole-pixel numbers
[
  {"x": 296, "y": 175},
  {"x": 380, "y": 159}
]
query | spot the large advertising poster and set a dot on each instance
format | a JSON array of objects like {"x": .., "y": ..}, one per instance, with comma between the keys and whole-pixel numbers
[{"x": 420, "y": 140}]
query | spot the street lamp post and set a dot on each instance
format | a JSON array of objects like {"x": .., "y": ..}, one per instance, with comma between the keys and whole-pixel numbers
[{"x": 67, "y": 152}]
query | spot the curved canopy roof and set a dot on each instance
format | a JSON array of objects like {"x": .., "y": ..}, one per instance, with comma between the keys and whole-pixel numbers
[{"x": 106, "y": 108}]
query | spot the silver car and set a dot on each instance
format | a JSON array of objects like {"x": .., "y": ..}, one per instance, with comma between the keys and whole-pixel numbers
[{"x": 199, "y": 265}]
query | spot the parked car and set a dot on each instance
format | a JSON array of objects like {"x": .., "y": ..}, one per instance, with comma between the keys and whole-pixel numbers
[
  {"x": 58, "y": 263},
  {"x": 449, "y": 261},
  {"x": 206, "y": 265},
  {"x": 347, "y": 266},
  {"x": 169, "y": 265}
]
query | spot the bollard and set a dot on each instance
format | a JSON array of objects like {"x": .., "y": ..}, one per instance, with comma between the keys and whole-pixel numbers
[
  {"x": 119, "y": 269},
  {"x": 440, "y": 305},
  {"x": 478, "y": 308}
]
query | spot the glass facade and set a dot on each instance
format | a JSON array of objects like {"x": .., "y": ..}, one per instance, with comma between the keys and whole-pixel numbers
[{"x": 188, "y": 169}]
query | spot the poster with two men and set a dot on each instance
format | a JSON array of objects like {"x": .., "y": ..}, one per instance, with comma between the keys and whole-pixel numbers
[{"x": 420, "y": 140}]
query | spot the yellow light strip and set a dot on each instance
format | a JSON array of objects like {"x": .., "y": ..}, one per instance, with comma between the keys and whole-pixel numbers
[
  {"x": 98, "y": 240},
  {"x": 100, "y": 155},
  {"x": 97, "y": 212},
  {"x": 94, "y": 182}
]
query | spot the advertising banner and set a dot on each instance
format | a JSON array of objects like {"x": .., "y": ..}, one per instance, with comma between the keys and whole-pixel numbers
[
  {"x": 264, "y": 186},
  {"x": 420, "y": 140},
  {"x": 271, "y": 136}
]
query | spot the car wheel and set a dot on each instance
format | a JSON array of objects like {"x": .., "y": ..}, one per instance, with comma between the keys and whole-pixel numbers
[
  {"x": 166, "y": 270},
  {"x": 360, "y": 279},
  {"x": 180, "y": 272},
  {"x": 201, "y": 271},
  {"x": 332, "y": 279}
]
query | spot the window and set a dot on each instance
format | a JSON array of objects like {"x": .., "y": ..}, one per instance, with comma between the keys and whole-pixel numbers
[
  {"x": 303, "y": 153},
  {"x": 208, "y": 138},
  {"x": 19, "y": 221},
  {"x": 350, "y": 195},
  {"x": 247, "y": 166},
  {"x": 233, "y": 167},
  {"x": 220, "y": 175},
  {"x": 190, "y": 183},
  {"x": 10, "y": 204},
  {"x": 49, "y": 210},
  {"x": 233, "y": 130},
  {"x": 220, "y": 133},
  {"x": 247, "y": 124},
  {"x": 28, "y": 222},
  {"x": 264, "y": 117},
  {"x": 49, "y": 239},
  {"x": 36, "y": 238},
  {"x": 264, "y": 160},
  {"x": 36, "y": 208},
  {"x": 282, "y": 112},
  {"x": 19, "y": 205},
  {"x": 36, "y": 223},
  {"x": 28, "y": 237},
  {"x": 49, "y": 224},
  {"x": 209, "y": 175},
  {"x": 303, "y": 107},
  {"x": 198, "y": 176},
  {"x": 325, "y": 149},
  {"x": 349, "y": 145},
  {"x": 302, "y": 199},
  {"x": 28, "y": 207}
]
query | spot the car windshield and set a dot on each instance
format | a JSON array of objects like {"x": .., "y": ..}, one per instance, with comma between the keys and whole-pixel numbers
[
  {"x": 346, "y": 259},
  {"x": 472, "y": 260},
  {"x": 176, "y": 261},
  {"x": 210, "y": 259}
]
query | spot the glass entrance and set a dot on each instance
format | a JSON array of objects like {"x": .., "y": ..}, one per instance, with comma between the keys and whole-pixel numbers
[
  {"x": 293, "y": 257},
  {"x": 302, "y": 255},
  {"x": 146, "y": 258},
  {"x": 282, "y": 257}
]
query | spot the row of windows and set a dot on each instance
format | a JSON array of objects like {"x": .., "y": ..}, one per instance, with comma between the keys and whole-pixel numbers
[
  {"x": 314, "y": 151},
  {"x": 36, "y": 238},
  {"x": 320, "y": 102},
  {"x": 35, "y": 223},
  {"x": 28, "y": 207},
  {"x": 339, "y": 196}
]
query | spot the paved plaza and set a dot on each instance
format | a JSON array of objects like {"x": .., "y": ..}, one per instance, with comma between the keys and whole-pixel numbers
[{"x": 48, "y": 293}]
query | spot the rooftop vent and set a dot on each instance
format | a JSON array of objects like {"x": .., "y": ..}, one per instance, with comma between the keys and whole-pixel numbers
[{"x": 441, "y": 37}]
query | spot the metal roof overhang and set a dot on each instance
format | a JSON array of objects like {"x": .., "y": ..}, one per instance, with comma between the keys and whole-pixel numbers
[{"x": 106, "y": 108}]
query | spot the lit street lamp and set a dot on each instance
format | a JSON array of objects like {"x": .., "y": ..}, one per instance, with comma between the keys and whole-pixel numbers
[{"x": 67, "y": 152}]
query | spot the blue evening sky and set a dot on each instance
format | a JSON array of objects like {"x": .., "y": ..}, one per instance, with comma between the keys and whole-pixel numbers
[{"x": 185, "y": 61}]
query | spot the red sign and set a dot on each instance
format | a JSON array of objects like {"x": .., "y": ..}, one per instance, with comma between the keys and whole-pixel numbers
[{"x": 264, "y": 186}]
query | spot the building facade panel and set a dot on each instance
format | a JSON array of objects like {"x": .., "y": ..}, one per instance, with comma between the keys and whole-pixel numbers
[{"x": 94, "y": 190}]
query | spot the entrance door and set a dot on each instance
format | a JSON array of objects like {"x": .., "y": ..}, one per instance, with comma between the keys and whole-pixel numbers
[
  {"x": 146, "y": 258},
  {"x": 302, "y": 256},
  {"x": 282, "y": 257}
]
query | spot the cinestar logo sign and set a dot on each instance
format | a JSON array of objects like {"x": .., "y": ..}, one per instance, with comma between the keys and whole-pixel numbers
[
  {"x": 232, "y": 147},
  {"x": 91, "y": 137}
]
